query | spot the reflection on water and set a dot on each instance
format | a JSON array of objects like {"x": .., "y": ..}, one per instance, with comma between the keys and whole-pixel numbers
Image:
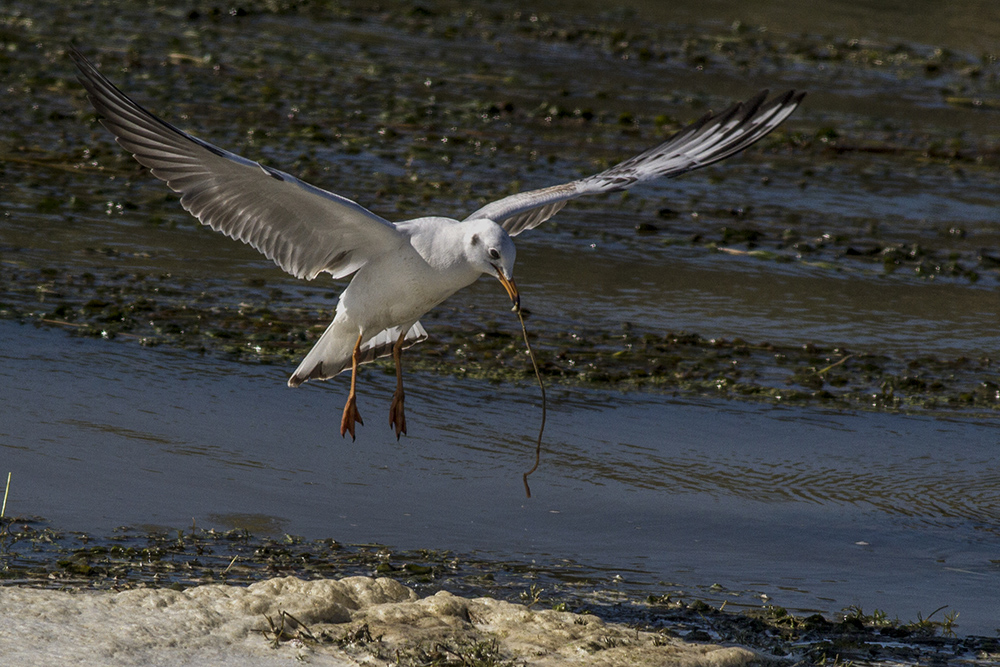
[
  {"x": 817, "y": 510},
  {"x": 117, "y": 431}
]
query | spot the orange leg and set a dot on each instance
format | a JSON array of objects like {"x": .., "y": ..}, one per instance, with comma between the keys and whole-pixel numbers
[
  {"x": 397, "y": 419},
  {"x": 351, "y": 413}
]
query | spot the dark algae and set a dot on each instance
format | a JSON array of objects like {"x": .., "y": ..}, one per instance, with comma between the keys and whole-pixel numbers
[
  {"x": 262, "y": 328},
  {"x": 452, "y": 135}
]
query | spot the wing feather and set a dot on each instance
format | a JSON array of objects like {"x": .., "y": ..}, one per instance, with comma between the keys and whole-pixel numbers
[
  {"x": 707, "y": 140},
  {"x": 304, "y": 229}
]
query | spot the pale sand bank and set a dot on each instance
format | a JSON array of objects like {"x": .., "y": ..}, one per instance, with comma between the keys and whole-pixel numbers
[{"x": 226, "y": 625}]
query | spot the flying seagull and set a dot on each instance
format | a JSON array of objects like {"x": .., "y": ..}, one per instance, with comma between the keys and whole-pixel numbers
[{"x": 401, "y": 270}]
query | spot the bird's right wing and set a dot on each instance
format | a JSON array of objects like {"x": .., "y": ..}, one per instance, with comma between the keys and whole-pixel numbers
[
  {"x": 305, "y": 230},
  {"x": 707, "y": 140}
]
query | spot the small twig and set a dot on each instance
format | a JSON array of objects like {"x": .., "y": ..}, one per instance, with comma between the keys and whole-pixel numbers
[
  {"x": 303, "y": 631},
  {"x": 944, "y": 606},
  {"x": 231, "y": 563},
  {"x": 3, "y": 510},
  {"x": 279, "y": 634},
  {"x": 62, "y": 323},
  {"x": 833, "y": 365}
]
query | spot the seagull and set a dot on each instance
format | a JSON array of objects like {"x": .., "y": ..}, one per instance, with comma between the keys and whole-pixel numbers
[{"x": 400, "y": 270}]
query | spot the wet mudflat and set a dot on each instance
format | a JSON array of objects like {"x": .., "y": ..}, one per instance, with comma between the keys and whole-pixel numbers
[
  {"x": 754, "y": 510},
  {"x": 776, "y": 375}
]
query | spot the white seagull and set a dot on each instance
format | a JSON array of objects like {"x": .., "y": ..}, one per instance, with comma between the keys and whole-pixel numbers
[{"x": 401, "y": 270}]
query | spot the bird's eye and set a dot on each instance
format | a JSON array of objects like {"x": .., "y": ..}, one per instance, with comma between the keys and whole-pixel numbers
[{"x": 494, "y": 253}]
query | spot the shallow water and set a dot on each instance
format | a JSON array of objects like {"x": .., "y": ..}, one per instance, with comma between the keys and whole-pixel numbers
[
  {"x": 817, "y": 510},
  {"x": 875, "y": 208}
]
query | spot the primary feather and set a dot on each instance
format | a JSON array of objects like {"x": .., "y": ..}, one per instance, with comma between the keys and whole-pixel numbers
[{"x": 305, "y": 230}]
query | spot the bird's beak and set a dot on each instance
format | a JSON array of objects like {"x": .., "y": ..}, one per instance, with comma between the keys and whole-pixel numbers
[{"x": 511, "y": 288}]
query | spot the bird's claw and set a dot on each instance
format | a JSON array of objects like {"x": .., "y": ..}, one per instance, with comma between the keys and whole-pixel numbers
[
  {"x": 397, "y": 418},
  {"x": 351, "y": 415}
]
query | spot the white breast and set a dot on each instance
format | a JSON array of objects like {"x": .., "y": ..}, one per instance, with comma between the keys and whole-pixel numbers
[{"x": 396, "y": 290}]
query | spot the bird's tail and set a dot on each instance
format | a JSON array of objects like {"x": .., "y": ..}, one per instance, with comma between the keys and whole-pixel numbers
[{"x": 331, "y": 355}]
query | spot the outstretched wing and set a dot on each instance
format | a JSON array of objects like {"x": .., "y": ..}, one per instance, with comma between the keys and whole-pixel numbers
[
  {"x": 707, "y": 140},
  {"x": 305, "y": 230}
]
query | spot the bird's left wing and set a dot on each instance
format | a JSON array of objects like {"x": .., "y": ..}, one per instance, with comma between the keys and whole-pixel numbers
[
  {"x": 305, "y": 230},
  {"x": 707, "y": 140}
]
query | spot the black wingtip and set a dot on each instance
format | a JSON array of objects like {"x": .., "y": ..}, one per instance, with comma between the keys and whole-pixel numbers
[
  {"x": 753, "y": 105},
  {"x": 83, "y": 64},
  {"x": 79, "y": 60},
  {"x": 789, "y": 98}
]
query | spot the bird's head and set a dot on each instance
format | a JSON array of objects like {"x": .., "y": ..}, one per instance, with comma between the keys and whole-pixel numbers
[{"x": 491, "y": 250}]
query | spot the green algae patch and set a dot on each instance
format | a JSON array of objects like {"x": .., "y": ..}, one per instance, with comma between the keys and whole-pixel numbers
[{"x": 154, "y": 310}]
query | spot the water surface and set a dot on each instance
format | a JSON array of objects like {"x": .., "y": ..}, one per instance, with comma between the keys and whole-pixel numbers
[{"x": 816, "y": 510}]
